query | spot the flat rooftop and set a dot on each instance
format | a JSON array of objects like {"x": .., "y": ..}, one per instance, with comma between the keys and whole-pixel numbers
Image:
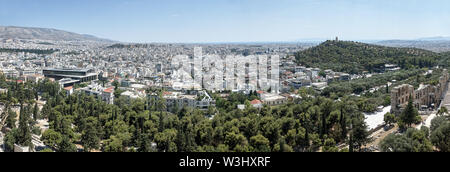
[
  {"x": 78, "y": 77},
  {"x": 68, "y": 80},
  {"x": 68, "y": 70}
]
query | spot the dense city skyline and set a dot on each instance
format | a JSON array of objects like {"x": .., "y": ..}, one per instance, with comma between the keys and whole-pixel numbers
[
  {"x": 236, "y": 21},
  {"x": 248, "y": 76}
]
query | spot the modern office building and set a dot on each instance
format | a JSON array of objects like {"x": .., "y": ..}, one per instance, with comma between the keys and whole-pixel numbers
[
  {"x": 83, "y": 75},
  {"x": 67, "y": 82}
]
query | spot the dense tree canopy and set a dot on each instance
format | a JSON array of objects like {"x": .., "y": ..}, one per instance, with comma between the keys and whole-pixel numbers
[
  {"x": 412, "y": 140},
  {"x": 440, "y": 133},
  {"x": 140, "y": 125},
  {"x": 355, "y": 57}
]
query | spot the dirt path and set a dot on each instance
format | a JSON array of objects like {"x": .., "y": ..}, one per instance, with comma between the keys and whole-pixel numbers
[{"x": 378, "y": 136}]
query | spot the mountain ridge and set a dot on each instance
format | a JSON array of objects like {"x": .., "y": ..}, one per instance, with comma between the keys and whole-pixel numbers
[
  {"x": 18, "y": 32},
  {"x": 435, "y": 44}
]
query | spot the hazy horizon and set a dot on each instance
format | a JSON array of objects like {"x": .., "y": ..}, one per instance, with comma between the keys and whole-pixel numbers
[{"x": 233, "y": 21}]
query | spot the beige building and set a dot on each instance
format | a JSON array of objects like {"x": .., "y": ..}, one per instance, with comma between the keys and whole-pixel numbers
[
  {"x": 3, "y": 91},
  {"x": 35, "y": 78},
  {"x": 426, "y": 96},
  {"x": 201, "y": 100},
  {"x": 400, "y": 96},
  {"x": 273, "y": 99}
]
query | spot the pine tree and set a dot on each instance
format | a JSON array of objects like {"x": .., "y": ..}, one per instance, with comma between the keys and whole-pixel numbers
[
  {"x": 387, "y": 88},
  {"x": 66, "y": 145},
  {"x": 360, "y": 133},
  {"x": 36, "y": 112},
  {"x": 343, "y": 124},
  {"x": 11, "y": 119},
  {"x": 89, "y": 136},
  {"x": 409, "y": 114},
  {"x": 24, "y": 135}
]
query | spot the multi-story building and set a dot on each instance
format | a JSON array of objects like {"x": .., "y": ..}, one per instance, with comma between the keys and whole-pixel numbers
[
  {"x": 400, "y": 96},
  {"x": 443, "y": 82},
  {"x": 11, "y": 73},
  {"x": 106, "y": 94},
  {"x": 33, "y": 78},
  {"x": 66, "y": 82},
  {"x": 130, "y": 94},
  {"x": 272, "y": 99},
  {"x": 27, "y": 72},
  {"x": 426, "y": 96},
  {"x": 201, "y": 100},
  {"x": 68, "y": 90},
  {"x": 83, "y": 75}
]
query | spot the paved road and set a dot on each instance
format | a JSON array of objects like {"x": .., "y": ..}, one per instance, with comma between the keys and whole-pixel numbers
[
  {"x": 376, "y": 119},
  {"x": 427, "y": 121}
]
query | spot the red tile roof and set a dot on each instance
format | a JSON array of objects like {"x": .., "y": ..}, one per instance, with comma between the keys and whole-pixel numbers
[
  {"x": 109, "y": 90},
  {"x": 68, "y": 88},
  {"x": 256, "y": 101}
]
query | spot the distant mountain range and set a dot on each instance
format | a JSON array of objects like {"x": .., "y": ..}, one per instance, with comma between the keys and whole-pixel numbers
[
  {"x": 436, "y": 44},
  {"x": 13, "y": 32},
  {"x": 437, "y": 38}
]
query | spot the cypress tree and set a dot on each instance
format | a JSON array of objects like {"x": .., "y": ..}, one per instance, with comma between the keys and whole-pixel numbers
[
  {"x": 409, "y": 114},
  {"x": 24, "y": 136},
  {"x": 35, "y": 112}
]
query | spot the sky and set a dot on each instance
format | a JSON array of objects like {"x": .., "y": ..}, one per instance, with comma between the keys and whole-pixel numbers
[{"x": 188, "y": 21}]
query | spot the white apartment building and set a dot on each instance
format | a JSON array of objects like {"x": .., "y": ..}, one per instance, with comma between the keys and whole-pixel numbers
[
  {"x": 106, "y": 94},
  {"x": 202, "y": 100}
]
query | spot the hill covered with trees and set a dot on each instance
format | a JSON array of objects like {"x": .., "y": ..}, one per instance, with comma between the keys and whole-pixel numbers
[{"x": 355, "y": 57}]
